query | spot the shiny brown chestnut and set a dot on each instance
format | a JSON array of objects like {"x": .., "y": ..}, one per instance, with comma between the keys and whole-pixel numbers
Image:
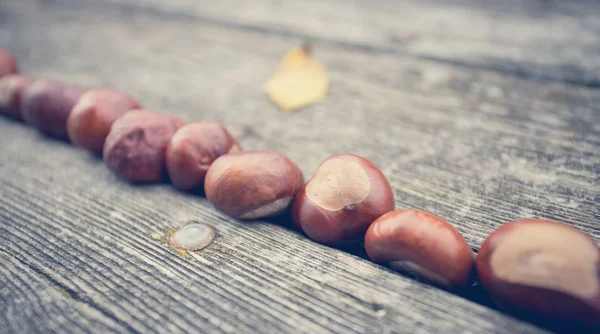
[
  {"x": 12, "y": 87},
  {"x": 46, "y": 105},
  {"x": 252, "y": 184},
  {"x": 346, "y": 194},
  {"x": 193, "y": 149},
  {"x": 542, "y": 268},
  {"x": 8, "y": 63},
  {"x": 136, "y": 145},
  {"x": 421, "y": 244},
  {"x": 91, "y": 118}
]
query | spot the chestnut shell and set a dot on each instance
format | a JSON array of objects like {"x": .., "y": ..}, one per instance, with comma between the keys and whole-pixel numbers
[
  {"x": 8, "y": 63},
  {"x": 46, "y": 105},
  {"x": 136, "y": 145},
  {"x": 434, "y": 249},
  {"x": 12, "y": 88},
  {"x": 90, "y": 120},
  {"x": 532, "y": 301},
  {"x": 192, "y": 150},
  {"x": 245, "y": 184}
]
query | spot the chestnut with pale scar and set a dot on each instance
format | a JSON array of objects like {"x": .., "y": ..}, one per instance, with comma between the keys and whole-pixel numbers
[
  {"x": 252, "y": 184},
  {"x": 346, "y": 194},
  {"x": 543, "y": 267},
  {"x": 339, "y": 183},
  {"x": 422, "y": 244}
]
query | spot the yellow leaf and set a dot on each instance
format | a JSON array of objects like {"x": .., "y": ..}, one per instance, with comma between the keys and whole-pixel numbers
[{"x": 299, "y": 81}]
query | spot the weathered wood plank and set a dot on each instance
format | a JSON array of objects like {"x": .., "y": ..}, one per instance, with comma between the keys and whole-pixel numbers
[
  {"x": 478, "y": 148},
  {"x": 94, "y": 235},
  {"x": 549, "y": 40},
  {"x": 30, "y": 299},
  {"x": 475, "y": 147}
]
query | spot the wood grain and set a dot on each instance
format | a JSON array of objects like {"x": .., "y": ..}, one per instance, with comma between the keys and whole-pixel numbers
[
  {"x": 30, "y": 300},
  {"x": 80, "y": 248},
  {"x": 531, "y": 39}
]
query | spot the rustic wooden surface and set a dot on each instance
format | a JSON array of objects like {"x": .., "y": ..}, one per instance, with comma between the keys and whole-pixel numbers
[{"x": 477, "y": 113}]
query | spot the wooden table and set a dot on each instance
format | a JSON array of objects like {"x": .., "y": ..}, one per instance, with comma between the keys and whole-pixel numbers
[{"x": 479, "y": 113}]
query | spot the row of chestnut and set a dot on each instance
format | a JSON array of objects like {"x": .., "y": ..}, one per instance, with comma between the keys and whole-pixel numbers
[{"x": 530, "y": 266}]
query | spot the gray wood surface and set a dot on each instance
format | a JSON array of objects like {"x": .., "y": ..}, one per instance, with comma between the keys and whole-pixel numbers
[
  {"x": 476, "y": 124},
  {"x": 541, "y": 39}
]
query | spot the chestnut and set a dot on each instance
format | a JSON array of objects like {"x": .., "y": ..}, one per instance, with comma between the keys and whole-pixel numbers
[
  {"x": 136, "y": 145},
  {"x": 46, "y": 105},
  {"x": 542, "y": 268},
  {"x": 252, "y": 184},
  {"x": 422, "y": 244},
  {"x": 193, "y": 149},
  {"x": 346, "y": 194},
  {"x": 8, "y": 63},
  {"x": 12, "y": 87},
  {"x": 93, "y": 115}
]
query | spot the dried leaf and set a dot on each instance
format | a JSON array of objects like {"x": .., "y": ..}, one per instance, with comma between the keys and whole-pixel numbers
[{"x": 299, "y": 81}]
